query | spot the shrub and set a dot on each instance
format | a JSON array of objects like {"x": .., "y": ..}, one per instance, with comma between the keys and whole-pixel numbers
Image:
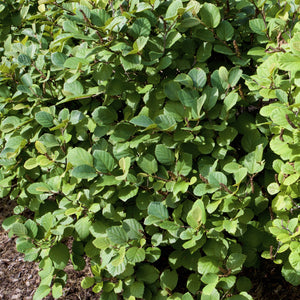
[{"x": 147, "y": 134}]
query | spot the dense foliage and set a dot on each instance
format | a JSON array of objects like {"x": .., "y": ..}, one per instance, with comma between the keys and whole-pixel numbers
[{"x": 160, "y": 139}]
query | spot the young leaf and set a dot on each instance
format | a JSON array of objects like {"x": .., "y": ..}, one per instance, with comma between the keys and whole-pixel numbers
[
  {"x": 41, "y": 292},
  {"x": 87, "y": 282},
  {"x": 196, "y": 215}
]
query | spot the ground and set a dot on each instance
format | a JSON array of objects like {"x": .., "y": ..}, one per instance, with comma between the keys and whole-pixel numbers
[{"x": 19, "y": 279}]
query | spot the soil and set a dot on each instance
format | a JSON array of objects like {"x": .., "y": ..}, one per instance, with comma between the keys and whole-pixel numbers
[
  {"x": 268, "y": 283},
  {"x": 19, "y": 279}
]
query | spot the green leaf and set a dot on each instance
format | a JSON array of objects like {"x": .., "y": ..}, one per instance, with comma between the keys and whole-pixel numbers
[
  {"x": 87, "y": 282},
  {"x": 122, "y": 132},
  {"x": 257, "y": 26},
  {"x": 24, "y": 59},
  {"x": 73, "y": 88},
  {"x": 117, "y": 235},
  {"x": 158, "y": 210},
  {"x": 168, "y": 279},
  {"x": 291, "y": 179},
  {"x": 99, "y": 17},
  {"x": 135, "y": 255},
  {"x": 187, "y": 97},
  {"x": 45, "y": 119},
  {"x": 223, "y": 49},
  {"x": 164, "y": 155},
  {"x": 225, "y": 31},
  {"x": 289, "y": 62},
  {"x": 244, "y": 284},
  {"x": 235, "y": 262},
  {"x": 41, "y": 292},
  {"x": 290, "y": 274},
  {"x": 147, "y": 273},
  {"x": 82, "y": 227},
  {"x": 104, "y": 162},
  {"x": 128, "y": 192},
  {"x": 212, "y": 95},
  {"x": 172, "y": 10},
  {"x": 27, "y": 80},
  {"x": 58, "y": 59},
  {"x": 252, "y": 161},
  {"x": 230, "y": 100},
  {"x": 169, "y": 225},
  {"x": 187, "y": 296},
  {"x": 180, "y": 187},
  {"x": 38, "y": 188},
  {"x": 239, "y": 175},
  {"x": 57, "y": 290},
  {"x": 217, "y": 178},
  {"x": 204, "y": 52},
  {"x": 59, "y": 255},
  {"x": 30, "y": 163},
  {"x": 32, "y": 228},
  {"x": 8, "y": 222},
  {"x": 198, "y": 76},
  {"x": 137, "y": 289},
  {"x": 104, "y": 115},
  {"x": 131, "y": 62},
  {"x": 172, "y": 38},
  {"x": 84, "y": 172},
  {"x": 294, "y": 260},
  {"x": 234, "y": 76},
  {"x": 171, "y": 90},
  {"x": 19, "y": 229},
  {"x": 197, "y": 215},
  {"x": 193, "y": 283},
  {"x": 148, "y": 164},
  {"x": 210, "y": 15},
  {"x": 79, "y": 156},
  {"x": 47, "y": 221},
  {"x": 184, "y": 80},
  {"x": 140, "y": 27},
  {"x": 208, "y": 264},
  {"x": 133, "y": 229},
  {"x": 142, "y": 121}
]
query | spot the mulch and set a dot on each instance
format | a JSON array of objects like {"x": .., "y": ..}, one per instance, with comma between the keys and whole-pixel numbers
[{"x": 19, "y": 279}]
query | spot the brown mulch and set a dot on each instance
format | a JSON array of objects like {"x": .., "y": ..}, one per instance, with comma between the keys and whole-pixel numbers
[
  {"x": 19, "y": 279},
  {"x": 268, "y": 283}
]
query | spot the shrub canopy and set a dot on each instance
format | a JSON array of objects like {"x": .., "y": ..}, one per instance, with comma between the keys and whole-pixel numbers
[{"x": 159, "y": 138}]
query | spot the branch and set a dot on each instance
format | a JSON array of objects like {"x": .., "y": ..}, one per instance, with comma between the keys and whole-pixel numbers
[{"x": 89, "y": 24}]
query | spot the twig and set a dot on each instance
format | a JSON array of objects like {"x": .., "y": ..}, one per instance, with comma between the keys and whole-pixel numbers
[
  {"x": 89, "y": 24},
  {"x": 61, "y": 7},
  {"x": 290, "y": 122}
]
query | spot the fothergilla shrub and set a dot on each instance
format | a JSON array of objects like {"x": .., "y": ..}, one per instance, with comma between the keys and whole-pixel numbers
[{"x": 160, "y": 139}]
